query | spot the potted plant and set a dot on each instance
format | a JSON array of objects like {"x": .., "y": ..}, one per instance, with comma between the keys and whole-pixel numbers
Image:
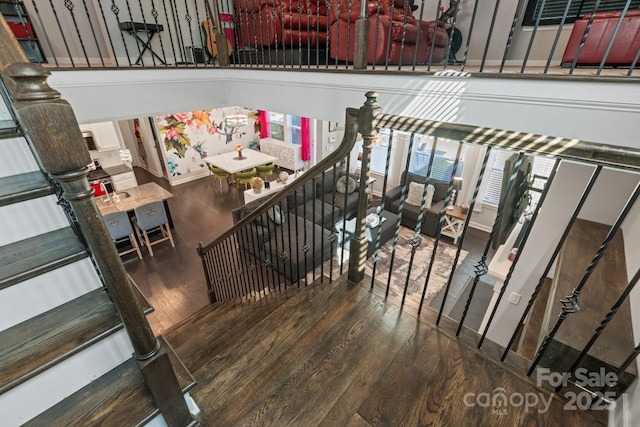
[{"x": 257, "y": 184}]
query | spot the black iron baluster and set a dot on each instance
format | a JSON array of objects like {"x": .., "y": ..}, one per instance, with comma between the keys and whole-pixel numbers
[
  {"x": 177, "y": 22},
  {"x": 313, "y": 232},
  {"x": 630, "y": 359},
  {"x": 305, "y": 245},
  {"x": 416, "y": 240},
  {"x": 188, "y": 18},
  {"x": 240, "y": 253},
  {"x": 276, "y": 252},
  {"x": 433, "y": 39},
  {"x": 338, "y": 32},
  {"x": 328, "y": 5},
  {"x": 470, "y": 31},
  {"x": 404, "y": 31},
  {"x": 388, "y": 49},
  {"x": 299, "y": 12},
  {"x": 64, "y": 39},
  {"x": 146, "y": 29},
  {"x": 255, "y": 251},
  {"x": 220, "y": 274},
  {"x": 45, "y": 33},
  {"x": 93, "y": 32},
  {"x": 335, "y": 234},
  {"x": 493, "y": 23},
  {"x": 198, "y": 31},
  {"x": 633, "y": 64},
  {"x": 322, "y": 235},
  {"x": 207, "y": 268},
  {"x": 382, "y": 203},
  {"x": 348, "y": 46},
  {"x": 523, "y": 243},
  {"x": 570, "y": 303},
  {"x": 251, "y": 230},
  {"x": 587, "y": 28},
  {"x": 255, "y": 33},
  {"x": 70, "y": 6},
  {"x": 441, "y": 220},
  {"x": 554, "y": 255},
  {"x": 228, "y": 270},
  {"x": 297, "y": 246},
  {"x": 166, "y": 14},
  {"x": 215, "y": 293},
  {"x": 607, "y": 318},
  {"x": 403, "y": 195},
  {"x": 346, "y": 171},
  {"x": 104, "y": 21},
  {"x": 514, "y": 23},
  {"x": 417, "y": 46},
  {"x": 474, "y": 198},
  {"x": 133, "y": 29},
  {"x": 616, "y": 30},
  {"x": 533, "y": 36},
  {"x": 557, "y": 38},
  {"x": 239, "y": 261},
  {"x": 481, "y": 267}
]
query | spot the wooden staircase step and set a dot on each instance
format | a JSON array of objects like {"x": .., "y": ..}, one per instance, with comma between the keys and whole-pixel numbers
[
  {"x": 9, "y": 129},
  {"x": 56, "y": 335},
  {"x": 37, "y": 255},
  {"x": 25, "y": 186},
  {"x": 118, "y": 398}
]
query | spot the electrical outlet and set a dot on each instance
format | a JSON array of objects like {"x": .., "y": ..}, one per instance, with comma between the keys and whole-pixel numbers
[{"x": 514, "y": 298}]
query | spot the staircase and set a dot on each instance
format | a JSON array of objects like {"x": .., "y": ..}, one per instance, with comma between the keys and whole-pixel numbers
[{"x": 66, "y": 358}]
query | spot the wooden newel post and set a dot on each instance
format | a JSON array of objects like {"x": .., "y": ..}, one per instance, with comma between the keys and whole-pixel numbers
[
  {"x": 359, "y": 243},
  {"x": 361, "y": 48},
  {"x": 50, "y": 124}
]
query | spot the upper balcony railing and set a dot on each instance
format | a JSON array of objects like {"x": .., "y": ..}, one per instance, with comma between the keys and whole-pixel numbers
[{"x": 526, "y": 37}]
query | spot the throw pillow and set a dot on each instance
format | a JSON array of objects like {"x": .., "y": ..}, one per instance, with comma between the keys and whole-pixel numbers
[
  {"x": 275, "y": 215},
  {"x": 346, "y": 184},
  {"x": 414, "y": 196},
  {"x": 429, "y": 199}
]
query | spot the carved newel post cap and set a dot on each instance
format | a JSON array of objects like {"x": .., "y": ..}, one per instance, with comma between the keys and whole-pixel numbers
[{"x": 29, "y": 82}]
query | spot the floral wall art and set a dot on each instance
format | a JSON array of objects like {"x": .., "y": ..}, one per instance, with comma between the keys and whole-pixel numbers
[{"x": 189, "y": 137}]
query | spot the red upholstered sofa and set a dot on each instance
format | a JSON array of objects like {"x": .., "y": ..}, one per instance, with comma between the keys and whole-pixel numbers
[
  {"x": 624, "y": 47},
  {"x": 286, "y": 23},
  {"x": 418, "y": 35}
]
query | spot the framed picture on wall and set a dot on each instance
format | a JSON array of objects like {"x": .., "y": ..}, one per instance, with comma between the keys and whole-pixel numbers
[{"x": 333, "y": 126}]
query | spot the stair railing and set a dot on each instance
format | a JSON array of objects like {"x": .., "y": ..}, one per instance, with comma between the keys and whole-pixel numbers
[
  {"x": 49, "y": 124},
  {"x": 598, "y": 156}
]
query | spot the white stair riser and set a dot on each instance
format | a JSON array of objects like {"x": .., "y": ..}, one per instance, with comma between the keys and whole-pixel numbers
[
  {"x": 42, "y": 293},
  {"x": 30, "y": 218},
  {"x": 16, "y": 157},
  {"x": 32, "y": 397}
]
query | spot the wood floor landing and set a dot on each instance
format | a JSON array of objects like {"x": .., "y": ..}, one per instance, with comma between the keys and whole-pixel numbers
[{"x": 339, "y": 355}]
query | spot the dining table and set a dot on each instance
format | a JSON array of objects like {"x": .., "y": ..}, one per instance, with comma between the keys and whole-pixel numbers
[{"x": 229, "y": 162}]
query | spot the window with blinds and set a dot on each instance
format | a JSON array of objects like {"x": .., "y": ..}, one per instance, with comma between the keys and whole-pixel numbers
[
  {"x": 554, "y": 10},
  {"x": 542, "y": 166}
]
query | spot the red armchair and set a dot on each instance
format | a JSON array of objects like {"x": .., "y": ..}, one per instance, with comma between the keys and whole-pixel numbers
[
  {"x": 418, "y": 35},
  {"x": 286, "y": 23},
  {"x": 624, "y": 47}
]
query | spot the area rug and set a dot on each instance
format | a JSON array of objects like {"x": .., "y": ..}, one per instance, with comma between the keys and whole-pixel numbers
[{"x": 440, "y": 272}]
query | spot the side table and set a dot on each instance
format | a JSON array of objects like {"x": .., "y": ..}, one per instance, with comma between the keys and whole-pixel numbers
[{"x": 454, "y": 223}]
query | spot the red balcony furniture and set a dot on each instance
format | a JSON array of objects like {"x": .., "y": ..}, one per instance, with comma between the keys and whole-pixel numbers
[
  {"x": 624, "y": 47},
  {"x": 418, "y": 35},
  {"x": 286, "y": 23}
]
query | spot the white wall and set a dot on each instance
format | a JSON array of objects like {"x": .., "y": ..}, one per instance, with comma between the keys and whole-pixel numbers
[
  {"x": 599, "y": 111},
  {"x": 603, "y": 205}
]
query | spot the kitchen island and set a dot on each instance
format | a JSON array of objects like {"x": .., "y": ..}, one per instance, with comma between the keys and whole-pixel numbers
[{"x": 135, "y": 197}]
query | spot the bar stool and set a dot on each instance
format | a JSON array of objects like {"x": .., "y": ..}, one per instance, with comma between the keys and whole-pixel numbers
[
  {"x": 150, "y": 217},
  {"x": 120, "y": 228}
]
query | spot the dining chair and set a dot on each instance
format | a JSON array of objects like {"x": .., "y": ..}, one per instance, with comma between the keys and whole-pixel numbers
[
  {"x": 120, "y": 229},
  {"x": 220, "y": 175},
  {"x": 151, "y": 217},
  {"x": 265, "y": 171},
  {"x": 244, "y": 177}
]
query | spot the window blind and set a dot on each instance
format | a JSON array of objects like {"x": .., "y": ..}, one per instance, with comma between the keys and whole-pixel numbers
[{"x": 554, "y": 10}]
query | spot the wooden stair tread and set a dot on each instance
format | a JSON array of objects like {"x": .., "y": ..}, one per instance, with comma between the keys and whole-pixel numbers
[
  {"x": 25, "y": 186},
  {"x": 118, "y": 398},
  {"x": 37, "y": 255},
  {"x": 54, "y": 336},
  {"x": 9, "y": 129}
]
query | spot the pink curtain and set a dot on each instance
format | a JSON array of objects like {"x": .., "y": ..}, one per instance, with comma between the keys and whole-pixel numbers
[
  {"x": 304, "y": 130},
  {"x": 264, "y": 124}
]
